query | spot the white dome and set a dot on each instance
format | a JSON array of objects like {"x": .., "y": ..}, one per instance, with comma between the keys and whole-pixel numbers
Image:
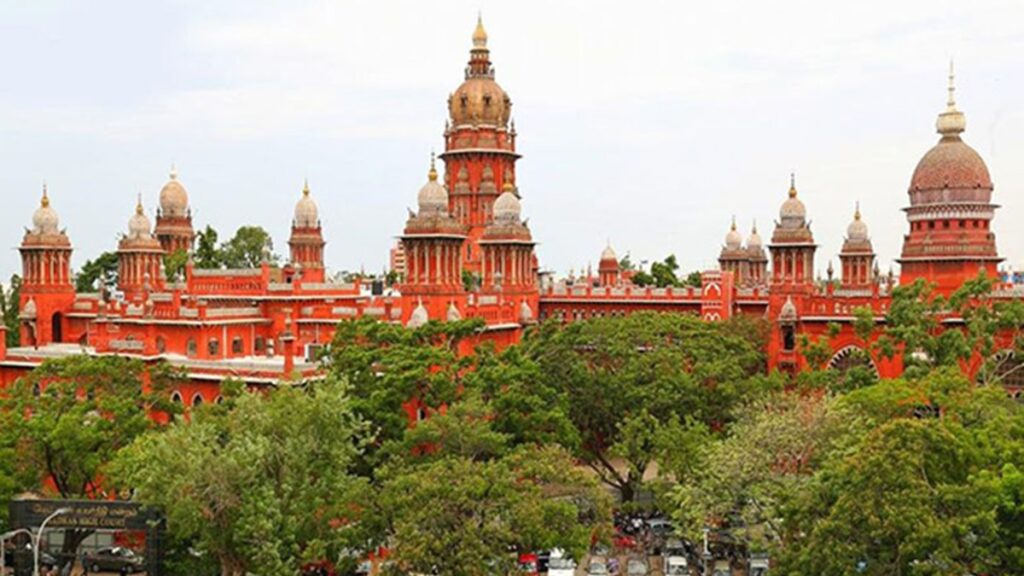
[
  {"x": 419, "y": 316},
  {"x": 138, "y": 225},
  {"x": 453, "y": 313},
  {"x": 433, "y": 198},
  {"x": 857, "y": 230},
  {"x": 793, "y": 213},
  {"x": 45, "y": 220},
  {"x": 507, "y": 208},
  {"x": 173, "y": 197},
  {"x": 306, "y": 213},
  {"x": 733, "y": 240},
  {"x": 754, "y": 240},
  {"x": 525, "y": 313},
  {"x": 609, "y": 254}
]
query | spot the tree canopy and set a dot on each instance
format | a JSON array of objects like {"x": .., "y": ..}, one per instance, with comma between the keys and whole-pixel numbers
[{"x": 97, "y": 274}]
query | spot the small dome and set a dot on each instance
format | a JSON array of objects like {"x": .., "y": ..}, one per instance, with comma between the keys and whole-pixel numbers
[
  {"x": 306, "y": 213},
  {"x": 453, "y": 313},
  {"x": 138, "y": 224},
  {"x": 788, "y": 312},
  {"x": 525, "y": 313},
  {"x": 45, "y": 220},
  {"x": 419, "y": 316},
  {"x": 754, "y": 240},
  {"x": 432, "y": 198},
  {"x": 173, "y": 197},
  {"x": 507, "y": 208},
  {"x": 733, "y": 240},
  {"x": 793, "y": 213},
  {"x": 29, "y": 311},
  {"x": 857, "y": 230},
  {"x": 608, "y": 254}
]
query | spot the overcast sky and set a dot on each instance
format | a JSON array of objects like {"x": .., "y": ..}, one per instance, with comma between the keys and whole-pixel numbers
[{"x": 646, "y": 124}]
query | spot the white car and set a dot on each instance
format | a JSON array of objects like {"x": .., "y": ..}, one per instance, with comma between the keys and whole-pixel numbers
[
  {"x": 676, "y": 566},
  {"x": 560, "y": 565}
]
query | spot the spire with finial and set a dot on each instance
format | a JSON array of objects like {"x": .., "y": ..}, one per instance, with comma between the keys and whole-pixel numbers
[
  {"x": 45, "y": 202},
  {"x": 480, "y": 35},
  {"x": 432, "y": 174},
  {"x": 733, "y": 228},
  {"x": 951, "y": 122},
  {"x": 138, "y": 205},
  {"x": 305, "y": 186},
  {"x": 753, "y": 229},
  {"x": 792, "y": 185},
  {"x": 174, "y": 171},
  {"x": 856, "y": 210}
]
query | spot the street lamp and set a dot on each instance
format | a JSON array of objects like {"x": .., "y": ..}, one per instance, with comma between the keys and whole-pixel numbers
[
  {"x": 39, "y": 538},
  {"x": 3, "y": 550}
]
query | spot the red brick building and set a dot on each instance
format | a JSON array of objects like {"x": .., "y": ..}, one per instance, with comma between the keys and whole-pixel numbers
[{"x": 467, "y": 252}]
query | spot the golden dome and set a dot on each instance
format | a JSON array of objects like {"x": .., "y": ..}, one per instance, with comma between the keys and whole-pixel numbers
[
  {"x": 479, "y": 100},
  {"x": 479, "y": 35}
]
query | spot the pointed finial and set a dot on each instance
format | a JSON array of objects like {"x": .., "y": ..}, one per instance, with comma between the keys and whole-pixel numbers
[
  {"x": 138, "y": 205},
  {"x": 479, "y": 35},
  {"x": 305, "y": 186},
  {"x": 45, "y": 202},
  {"x": 754, "y": 228},
  {"x": 733, "y": 227},
  {"x": 792, "y": 185},
  {"x": 856, "y": 211},
  {"x": 174, "y": 171},
  {"x": 433, "y": 170},
  {"x": 950, "y": 100}
]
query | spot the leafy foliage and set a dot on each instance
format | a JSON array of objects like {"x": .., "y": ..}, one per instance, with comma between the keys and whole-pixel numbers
[
  {"x": 10, "y": 301},
  {"x": 248, "y": 248},
  {"x": 261, "y": 483},
  {"x": 99, "y": 273}
]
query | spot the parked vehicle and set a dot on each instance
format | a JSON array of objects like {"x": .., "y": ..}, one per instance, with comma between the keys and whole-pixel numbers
[
  {"x": 597, "y": 567},
  {"x": 528, "y": 564},
  {"x": 636, "y": 567},
  {"x": 560, "y": 565},
  {"x": 114, "y": 559},
  {"x": 676, "y": 566}
]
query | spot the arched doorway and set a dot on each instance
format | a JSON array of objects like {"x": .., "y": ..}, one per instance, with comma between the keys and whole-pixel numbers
[
  {"x": 852, "y": 357},
  {"x": 57, "y": 327}
]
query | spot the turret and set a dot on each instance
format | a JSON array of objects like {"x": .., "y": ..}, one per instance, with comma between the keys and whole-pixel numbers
[
  {"x": 47, "y": 289},
  {"x": 306, "y": 241}
]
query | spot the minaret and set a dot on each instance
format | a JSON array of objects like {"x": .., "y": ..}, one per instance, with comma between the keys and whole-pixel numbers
[
  {"x": 757, "y": 260},
  {"x": 950, "y": 210},
  {"x": 433, "y": 243},
  {"x": 608, "y": 267},
  {"x": 857, "y": 259},
  {"x": 507, "y": 257},
  {"x": 47, "y": 290},
  {"x": 792, "y": 247},
  {"x": 139, "y": 256},
  {"x": 307, "y": 241},
  {"x": 479, "y": 151},
  {"x": 174, "y": 217}
]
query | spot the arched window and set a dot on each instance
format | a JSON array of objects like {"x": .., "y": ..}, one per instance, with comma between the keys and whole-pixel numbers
[
  {"x": 213, "y": 347},
  {"x": 219, "y": 399},
  {"x": 176, "y": 397},
  {"x": 161, "y": 345},
  {"x": 197, "y": 400},
  {"x": 850, "y": 357},
  {"x": 237, "y": 346},
  {"x": 788, "y": 338},
  {"x": 258, "y": 345},
  {"x": 190, "y": 348}
]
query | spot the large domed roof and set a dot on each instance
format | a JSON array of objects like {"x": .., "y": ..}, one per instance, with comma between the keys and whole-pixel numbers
[
  {"x": 479, "y": 99},
  {"x": 173, "y": 197},
  {"x": 754, "y": 241},
  {"x": 507, "y": 208},
  {"x": 733, "y": 240},
  {"x": 857, "y": 230},
  {"x": 793, "y": 213},
  {"x": 951, "y": 171}
]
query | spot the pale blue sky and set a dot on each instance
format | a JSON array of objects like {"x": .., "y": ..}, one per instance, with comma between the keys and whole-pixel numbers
[{"x": 646, "y": 123}]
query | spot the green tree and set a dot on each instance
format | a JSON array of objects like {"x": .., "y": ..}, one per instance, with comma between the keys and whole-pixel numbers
[
  {"x": 68, "y": 418},
  {"x": 248, "y": 248},
  {"x": 664, "y": 273},
  {"x": 99, "y": 273},
  {"x": 262, "y": 483},
  {"x": 393, "y": 370},
  {"x": 10, "y": 300},
  {"x": 207, "y": 254},
  {"x": 625, "y": 378},
  {"x": 694, "y": 279},
  {"x": 461, "y": 505},
  {"x": 174, "y": 264}
]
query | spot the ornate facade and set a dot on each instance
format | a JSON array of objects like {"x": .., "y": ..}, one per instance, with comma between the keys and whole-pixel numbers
[{"x": 467, "y": 252}]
